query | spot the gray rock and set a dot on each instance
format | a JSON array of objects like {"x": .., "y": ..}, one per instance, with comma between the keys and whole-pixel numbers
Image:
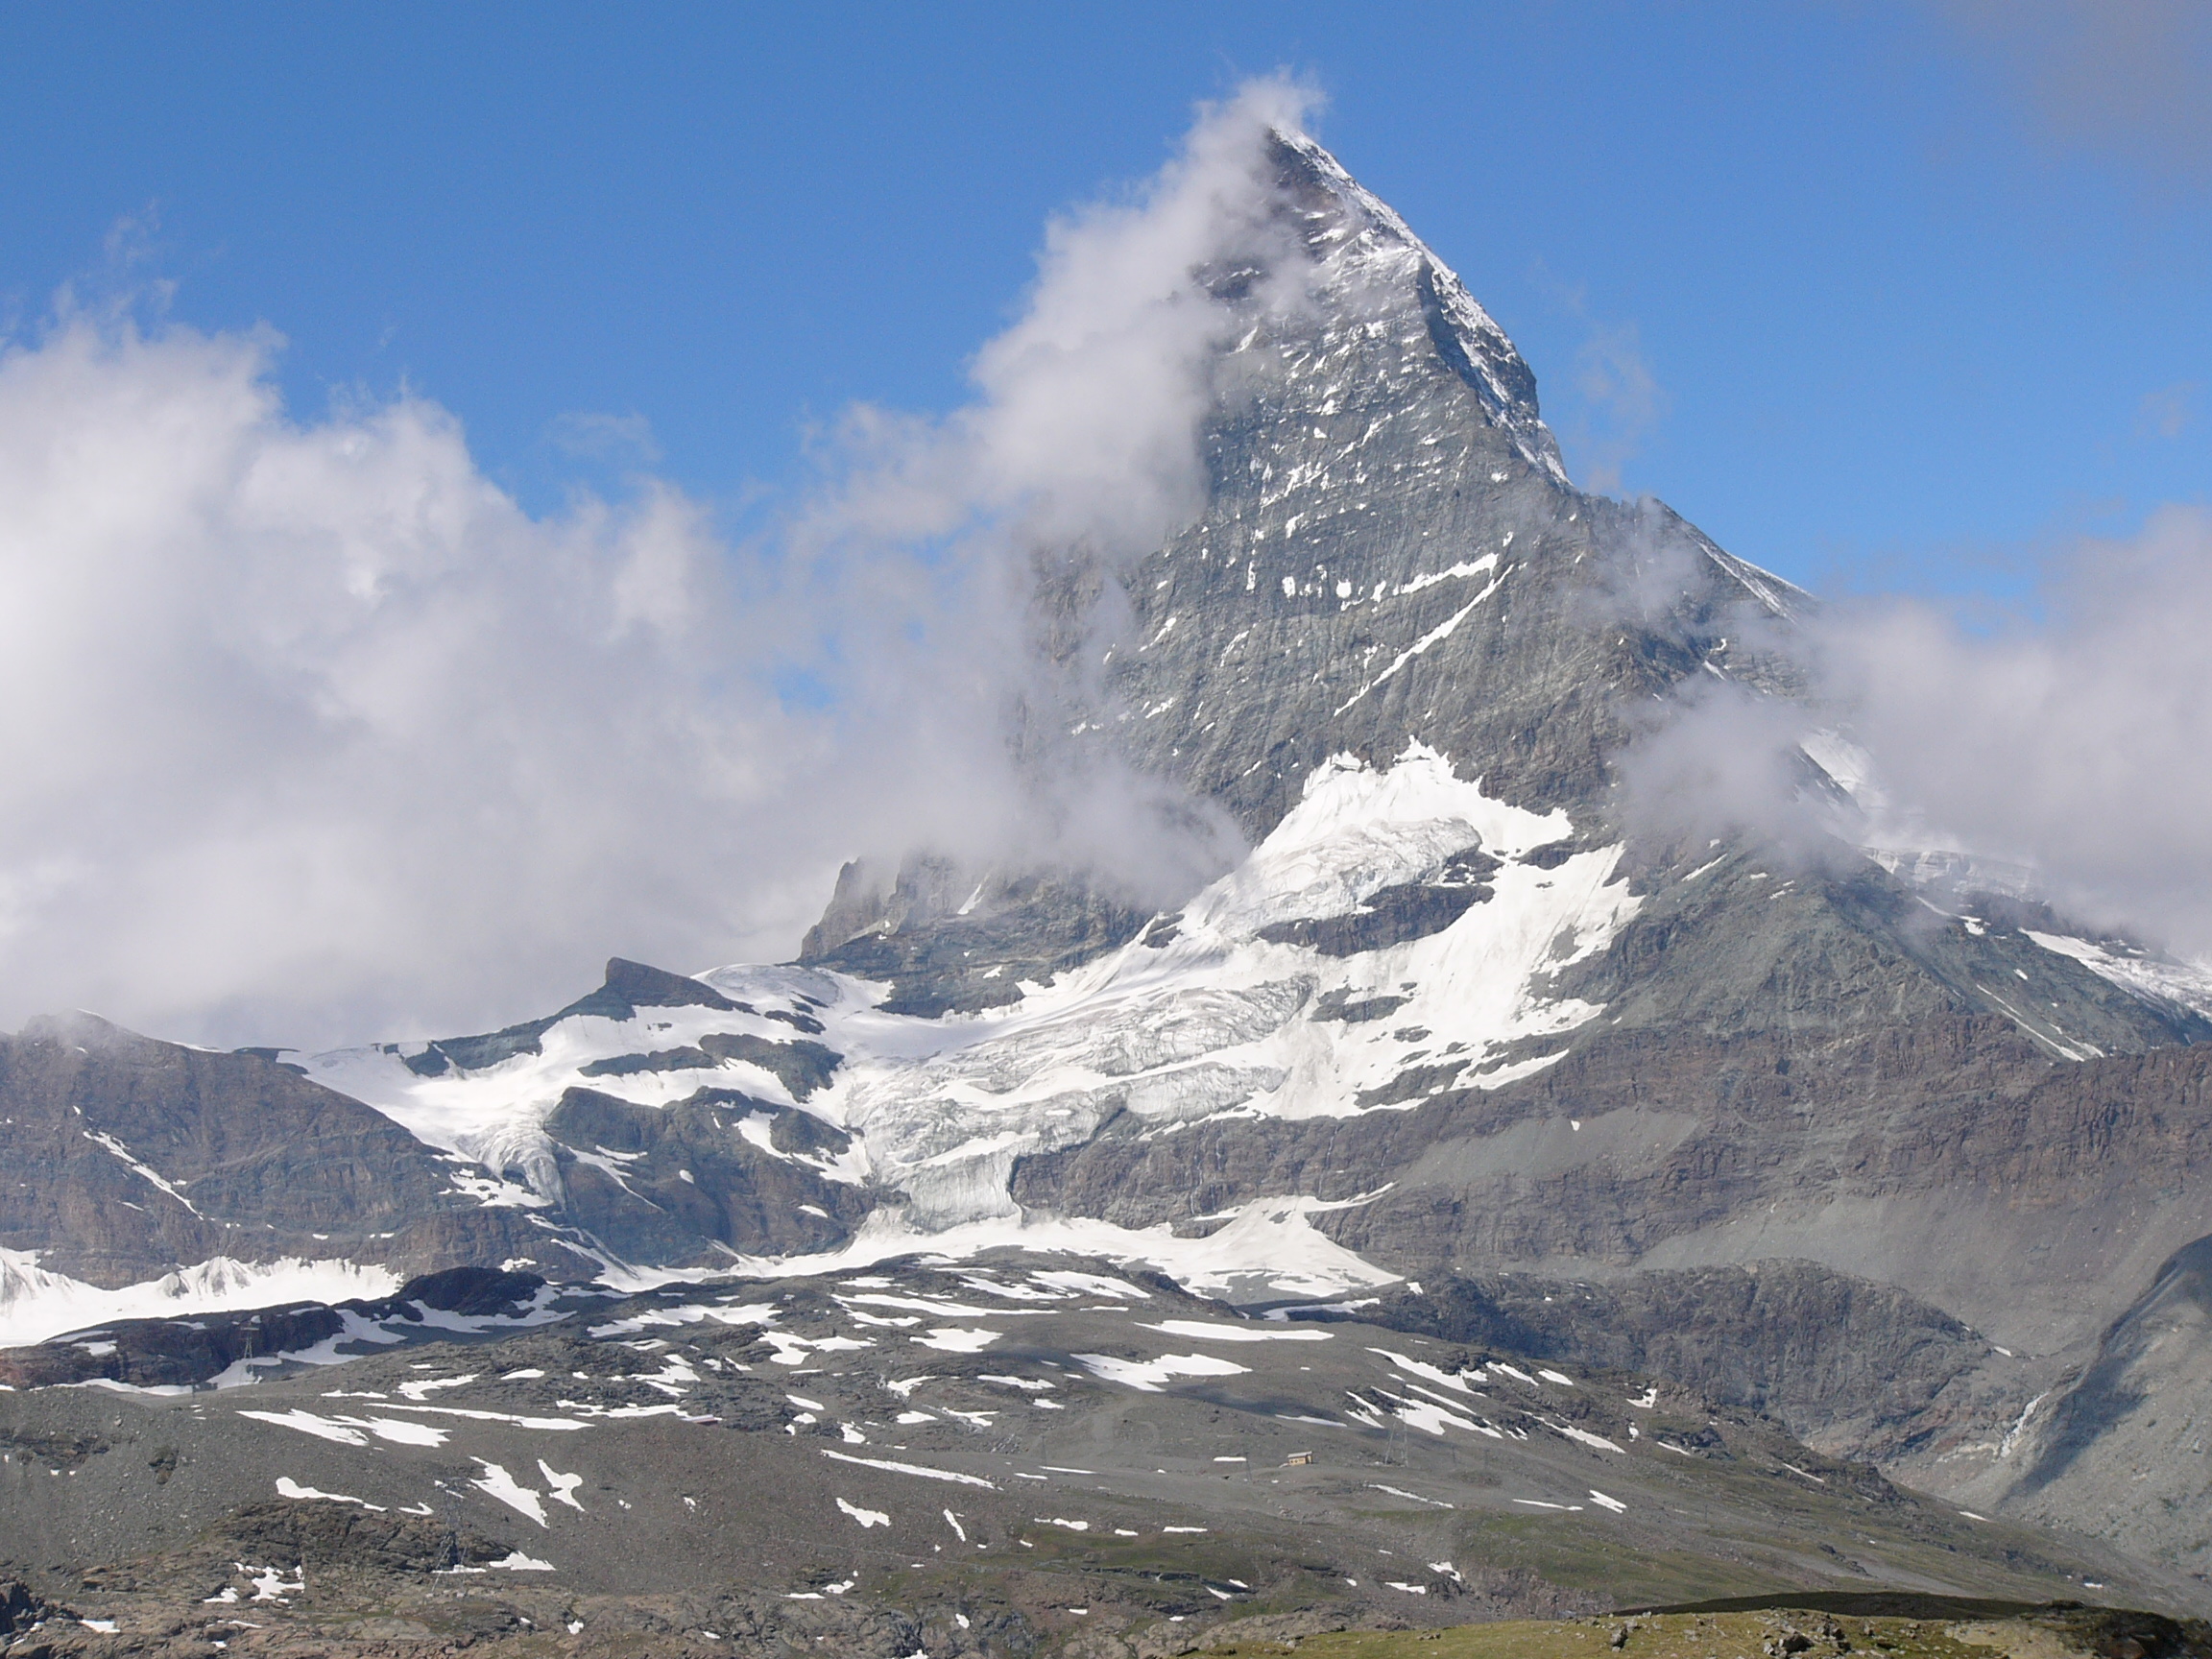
[
  {"x": 2124, "y": 1448},
  {"x": 670, "y": 1184},
  {"x": 126, "y": 1157}
]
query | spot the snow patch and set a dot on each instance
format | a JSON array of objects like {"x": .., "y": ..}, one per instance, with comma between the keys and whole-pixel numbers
[
  {"x": 894, "y": 1467},
  {"x": 1210, "y": 1333},
  {"x": 1151, "y": 1375},
  {"x": 37, "y": 1305},
  {"x": 2170, "y": 985},
  {"x": 866, "y": 1517},
  {"x": 498, "y": 1483},
  {"x": 287, "y": 1487}
]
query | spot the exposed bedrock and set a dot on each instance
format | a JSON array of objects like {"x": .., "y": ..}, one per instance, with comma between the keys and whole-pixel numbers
[
  {"x": 1851, "y": 1366},
  {"x": 952, "y": 941},
  {"x": 122, "y": 1157},
  {"x": 2124, "y": 1447},
  {"x": 666, "y": 1184},
  {"x": 1951, "y": 1157}
]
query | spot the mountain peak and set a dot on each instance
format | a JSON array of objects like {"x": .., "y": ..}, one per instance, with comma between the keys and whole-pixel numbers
[{"x": 1370, "y": 261}]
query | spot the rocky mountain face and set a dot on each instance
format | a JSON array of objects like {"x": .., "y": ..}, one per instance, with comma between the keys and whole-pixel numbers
[
  {"x": 2120, "y": 1448},
  {"x": 1470, "y": 1042},
  {"x": 127, "y": 1158},
  {"x": 1392, "y": 552},
  {"x": 1851, "y": 1060}
]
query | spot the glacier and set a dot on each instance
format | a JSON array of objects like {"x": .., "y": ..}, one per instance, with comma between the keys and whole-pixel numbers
[{"x": 1215, "y": 1010}]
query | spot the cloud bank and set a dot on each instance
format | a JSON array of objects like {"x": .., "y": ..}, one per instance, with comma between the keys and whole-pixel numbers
[
  {"x": 310, "y": 721},
  {"x": 2080, "y": 744},
  {"x": 2071, "y": 743},
  {"x": 313, "y": 734}
]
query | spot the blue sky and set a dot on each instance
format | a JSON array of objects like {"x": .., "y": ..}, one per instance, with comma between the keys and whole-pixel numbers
[{"x": 1883, "y": 296}]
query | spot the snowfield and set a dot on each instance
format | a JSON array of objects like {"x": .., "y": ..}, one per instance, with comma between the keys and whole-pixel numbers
[
  {"x": 35, "y": 1304},
  {"x": 1209, "y": 1013}
]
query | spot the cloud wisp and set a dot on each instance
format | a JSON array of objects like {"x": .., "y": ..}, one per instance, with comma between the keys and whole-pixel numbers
[
  {"x": 314, "y": 734},
  {"x": 1622, "y": 402},
  {"x": 2126, "y": 79}
]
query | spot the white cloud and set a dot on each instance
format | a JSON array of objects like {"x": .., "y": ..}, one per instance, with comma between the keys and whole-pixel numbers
[
  {"x": 1721, "y": 760},
  {"x": 2077, "y": 743},
  {"x": 2072, "y": 742},
  {"x": 311, "y": 722},
  {"x": 313, "y": 734}
]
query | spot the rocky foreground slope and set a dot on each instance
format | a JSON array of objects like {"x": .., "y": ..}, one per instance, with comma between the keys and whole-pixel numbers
[
  {"x": 1017, "y": 1451},
  {"x": 1469, "y": 1043}
]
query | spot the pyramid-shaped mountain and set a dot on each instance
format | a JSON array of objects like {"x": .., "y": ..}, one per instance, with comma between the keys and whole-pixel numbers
[{"x": 1855, "y": 1138}]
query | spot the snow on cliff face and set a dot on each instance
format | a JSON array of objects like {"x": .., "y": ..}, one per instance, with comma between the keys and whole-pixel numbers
[
  {"x": 1395, "y": 925},
  {"x": 491, "y": 1115},
  {"x": 37, "y": 1304},
  {"x": 1953, "y": 881},
  {"x": 2162, "y": 981},
  {"x": 1233, "y": 1006}
]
